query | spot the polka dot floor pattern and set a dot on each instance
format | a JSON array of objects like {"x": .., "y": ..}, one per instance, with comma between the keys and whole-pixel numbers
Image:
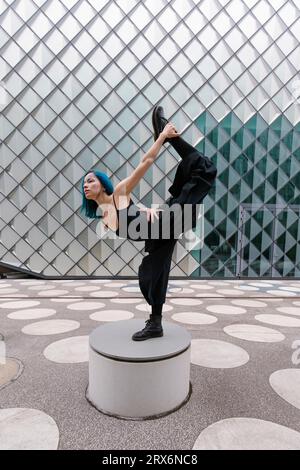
[{"x": 245, "y": 364}]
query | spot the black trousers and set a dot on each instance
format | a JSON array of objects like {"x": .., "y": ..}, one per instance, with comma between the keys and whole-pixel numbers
[{"x": 194, "y": 178}]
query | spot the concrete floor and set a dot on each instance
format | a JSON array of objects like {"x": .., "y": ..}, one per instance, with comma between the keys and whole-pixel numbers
[{"x": 245, "y": 358}]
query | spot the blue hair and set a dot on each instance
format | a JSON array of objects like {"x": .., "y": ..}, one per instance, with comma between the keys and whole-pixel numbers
[{"x": 89, "y": 206}]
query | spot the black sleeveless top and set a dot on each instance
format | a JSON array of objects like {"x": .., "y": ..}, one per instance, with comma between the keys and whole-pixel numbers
[{"x": 129, "y": 217}]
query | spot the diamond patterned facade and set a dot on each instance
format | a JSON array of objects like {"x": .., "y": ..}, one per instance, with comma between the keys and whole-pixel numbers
[{"x": 79, "y": 80}]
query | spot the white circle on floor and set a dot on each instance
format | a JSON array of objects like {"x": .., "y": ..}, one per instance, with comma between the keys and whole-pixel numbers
[
  {"x": 27, "y": 429},
  {"x": 126, "y": 300},
  {"x": 86, "y": 288},
  {"x": 147, "y": 308},
  {"x": 201, "y": 286},
  {"x": 72, "y": 284},
  {"x": 186, "y": 301},
  {"x": 296, "y": 303},
  {"x": 131, "y": 289},
  {"x": 246, "y": 287},
  {"x": 8, "y": 291},
  {"x": 115, "y": 284},
  {"x": 85, "y": 306},
  {"x": 208, "y": 294},
  {"x": 50, "y": 327},
  {"x": 286, "y": 383},
  {"x": 104, "y": 293},
  {"x": 99, "y": 281},
  {"x": 40, "y": 288},
  {"x": 257, "y": 333},
  {"x": 217, "y": 354},
  {"x": 289, "y": 310},
  {"x": 279, "y": 320},
  {"x": 69, "y": 350},
  {"x": 194, "y": 318},
  {"x": 181, "y": 290},
  {"x": 178, "y": 282},
  {"x": 51, "y": 293},
  {"x": 260, "y": 284},
  {"x": 32, "y": 283},
  {"x": 218, "y": 283},
  {"x": 18, "y": 295},
  {"x": 247, "y": 434},
  {"x": 2, "y": 285},
  {"x": 281, "y": 293},
  {"x": 111, "y": 315},
  {"x": 20, "y": 304},
  {"x": 294, "y": 289},
  {"x": 229, "y": 292},
  {"x": 31, "y": 313},
  {"x": 248, "y": 303},
  {"x": 226, "y": 309}
]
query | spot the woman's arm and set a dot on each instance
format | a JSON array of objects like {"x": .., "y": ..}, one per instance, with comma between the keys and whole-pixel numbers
[{"x": 129, "y": 183}]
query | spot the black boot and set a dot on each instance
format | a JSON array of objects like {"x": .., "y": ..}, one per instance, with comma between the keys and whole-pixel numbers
[
  {"x": 153, "y": 329},
  {"x": 158, "y": 122}
]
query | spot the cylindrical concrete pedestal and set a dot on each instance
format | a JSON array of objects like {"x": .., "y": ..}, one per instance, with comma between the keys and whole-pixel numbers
[{"x": 138, "y": 379}]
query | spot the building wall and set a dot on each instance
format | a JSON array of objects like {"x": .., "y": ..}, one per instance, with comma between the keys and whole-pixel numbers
[{"x": 79, "y": 80}]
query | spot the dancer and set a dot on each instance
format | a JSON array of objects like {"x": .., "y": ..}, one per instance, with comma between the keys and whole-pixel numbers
[{"x": 194, "y": 177}]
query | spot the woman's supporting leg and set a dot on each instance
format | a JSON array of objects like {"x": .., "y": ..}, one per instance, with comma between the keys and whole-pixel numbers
[
  {"x": 153, "y": 280},
  {"x": 155, "y": 269}
]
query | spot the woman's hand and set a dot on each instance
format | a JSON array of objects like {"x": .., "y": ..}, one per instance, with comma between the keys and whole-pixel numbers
[
  {"x": 169, "y": 131},
  {"x": 151, "y": 213}
]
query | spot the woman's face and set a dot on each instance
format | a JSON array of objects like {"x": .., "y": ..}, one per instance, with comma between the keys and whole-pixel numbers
[{"x": 92, "y": 186}]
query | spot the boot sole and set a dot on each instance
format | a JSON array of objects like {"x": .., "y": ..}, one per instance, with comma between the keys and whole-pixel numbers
[{"x": 158, "y": 335}]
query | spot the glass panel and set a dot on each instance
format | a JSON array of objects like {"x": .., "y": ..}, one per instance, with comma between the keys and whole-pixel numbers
[
  {"x": 40, "y": 24},
  {"x": 222, "y": 23},
  {"x": 84, "y": 43},
  {"x": 275, "y": 27},
  {"x": 236, "y": 10},
  {"x": 127, "y": 119},
  {"x": 127, "y": 91},
  {"x": 113, "y": 45},
  {"x": 235, "y": 39},
  {"x": 195, "y": 21},
  {"x": 112, "y": 14},
  {"x": 182, "y": 35},
  {"x": 113, "y": 75},
  {"x": 181, "y": 65},
  {"x": 262, "y": 11},
  {"x": 140, "y": 17},
  {"x": 209, "y": 8},
  {"x": 154, "y": 33},
  {"x": 127, "y": 61},
  {"x": 10, "y": 22},
  {"x": 84, "y": 13},
  {"x": 127, "y": 31},
  {"x": 12, "y": 53},
  {"x": 55, "y": 11},
  {"x": 168, "y": 19}
]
